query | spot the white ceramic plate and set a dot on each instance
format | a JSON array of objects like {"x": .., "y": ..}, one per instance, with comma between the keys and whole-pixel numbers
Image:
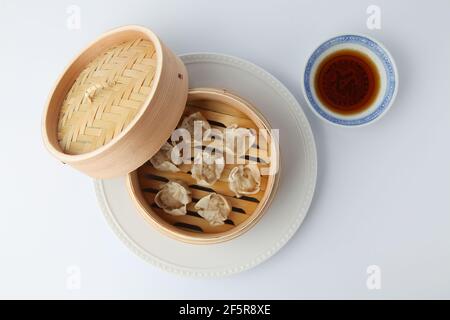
[{"x": 289, "y": 206}]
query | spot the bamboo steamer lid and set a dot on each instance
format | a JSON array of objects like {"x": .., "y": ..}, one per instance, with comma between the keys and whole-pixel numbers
[{"x": 116, "y": 103}]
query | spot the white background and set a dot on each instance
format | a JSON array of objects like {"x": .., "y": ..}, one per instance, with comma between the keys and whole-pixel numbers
[{"x": 383, "y": 193}]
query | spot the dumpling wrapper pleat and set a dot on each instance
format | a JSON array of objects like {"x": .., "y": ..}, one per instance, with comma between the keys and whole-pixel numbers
[
  {"x": 173, "y": 198},
  {"x": 188, "y": 123},
  {"x": 162, "y": 160},
  {"x": 207, "y": 168},
  {"x": 214, "y": 208},
  {"x": 244, "y": 180}
]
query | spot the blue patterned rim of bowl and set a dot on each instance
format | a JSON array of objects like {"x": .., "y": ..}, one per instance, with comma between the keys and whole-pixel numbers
[{"x": 389, "y": 67}]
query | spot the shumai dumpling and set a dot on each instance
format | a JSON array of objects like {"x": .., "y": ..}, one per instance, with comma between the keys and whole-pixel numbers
[
  {"x": 236, "y": 136},
  {"x": 245, "y": 180},
  {"x": 207, "y": 168},
  {"x": 173, "y": 198},
  {"x": 214, "y": 208},
  {"x": 189, "y": 122},
  {"x": 162, "y": 159}
]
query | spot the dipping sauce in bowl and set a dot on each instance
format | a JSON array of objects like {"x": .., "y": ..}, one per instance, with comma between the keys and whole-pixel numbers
[
  {"x": 350, "y": 80},
  {"x": 347, "y": 82}
]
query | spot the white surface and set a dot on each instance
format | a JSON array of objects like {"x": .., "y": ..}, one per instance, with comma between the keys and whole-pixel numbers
[
  {"x": 287, "y": 210},
  {"x": 383, "y": 191}
]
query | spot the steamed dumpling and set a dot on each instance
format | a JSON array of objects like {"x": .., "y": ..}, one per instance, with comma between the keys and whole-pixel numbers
[
  {"x": 214, "y": 208},
  {"x": 245, "y": 180},
  {"x": 189, "y": 122},
  {"x": 173, "y": 198},
  {"x": 162, "y": 159},
  {"x": 234, "y": 140},
  {"x": 235, "y": 136},
  {"x": 207, "y": 168}
]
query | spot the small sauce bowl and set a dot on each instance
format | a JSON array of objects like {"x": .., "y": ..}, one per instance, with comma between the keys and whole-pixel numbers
[{"x": 388, "y": 80}]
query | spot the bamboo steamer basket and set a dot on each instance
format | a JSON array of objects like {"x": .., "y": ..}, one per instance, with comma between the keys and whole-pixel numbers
[
  {"x": 221, "y": 109},
  {"x": 122, "y": 103},
  {"x": 119, "y": 101}
]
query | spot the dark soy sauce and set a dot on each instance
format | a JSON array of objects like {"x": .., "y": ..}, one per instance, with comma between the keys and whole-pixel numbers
[{"x": 347, "y": 82}]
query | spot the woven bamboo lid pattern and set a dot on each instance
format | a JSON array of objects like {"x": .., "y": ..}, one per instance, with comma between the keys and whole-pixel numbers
[
  {"x": 116, "y": 103},
  {"x": 106, "y": 96}
]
